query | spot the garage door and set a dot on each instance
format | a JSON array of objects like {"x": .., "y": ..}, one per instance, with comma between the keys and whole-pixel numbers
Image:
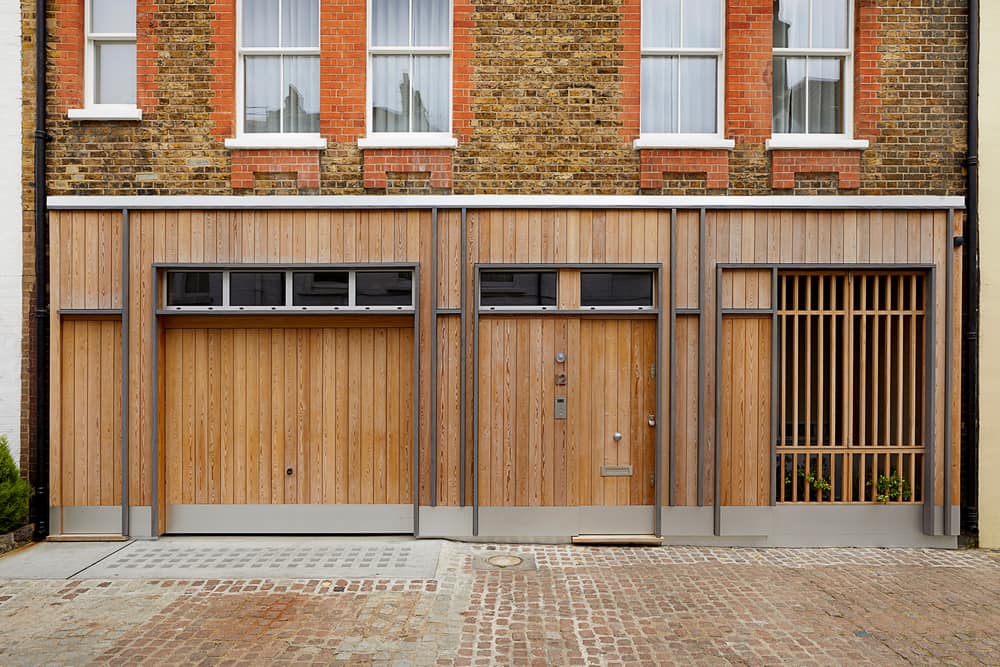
[{"x": 289, "y": 429}]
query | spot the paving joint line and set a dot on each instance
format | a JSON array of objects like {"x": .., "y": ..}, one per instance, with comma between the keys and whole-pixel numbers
[{"x": 102, "y": 559}]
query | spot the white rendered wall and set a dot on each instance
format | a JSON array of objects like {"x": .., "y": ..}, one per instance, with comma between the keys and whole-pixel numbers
[{"x": 10, "y": 225}]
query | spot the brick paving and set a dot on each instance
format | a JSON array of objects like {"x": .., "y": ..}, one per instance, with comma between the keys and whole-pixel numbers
[{"x": 578, "y": 606}]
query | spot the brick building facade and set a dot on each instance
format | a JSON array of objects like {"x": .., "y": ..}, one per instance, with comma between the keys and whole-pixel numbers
[{"x": 545, "y": 99}]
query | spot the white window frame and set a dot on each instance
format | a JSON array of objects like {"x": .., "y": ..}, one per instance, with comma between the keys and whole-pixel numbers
[
  {"x": 288, "y": 306},
  {"x": 91, "y": 109},
  {"x": 263, "y": 140},
  {"x": 813, "y": 140},
  {"x": 409, "y": 139},
  {"x": 715, "y": 139}
]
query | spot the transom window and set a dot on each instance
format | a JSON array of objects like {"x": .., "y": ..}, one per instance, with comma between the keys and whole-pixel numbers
[
  {"x": 279, "y": 61},
  {"x": 812, "y": 66},
  {"x": 409, "y": 66},
  {"x": 682, "y": 51},
  {"x": 110, "y": 30},
  {"x": 328, "y": 289},
  {"x": 616, "y": 289}
]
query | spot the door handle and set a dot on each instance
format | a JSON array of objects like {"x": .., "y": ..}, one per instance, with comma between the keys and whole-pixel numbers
[
  {"x": 617, "y": 437},
  {"x": 651, "y": 420}
]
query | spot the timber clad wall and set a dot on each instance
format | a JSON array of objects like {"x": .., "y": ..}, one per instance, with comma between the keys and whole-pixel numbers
[{"x": 213, "y": 450}]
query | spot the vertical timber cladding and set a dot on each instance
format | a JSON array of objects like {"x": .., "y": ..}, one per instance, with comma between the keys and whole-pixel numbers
[
  {"x": 370, "y": 497},
  {"x": 87, "y": 288},
  {"x": 831, "y": 241},
  {"x": 85, "y": 361}
]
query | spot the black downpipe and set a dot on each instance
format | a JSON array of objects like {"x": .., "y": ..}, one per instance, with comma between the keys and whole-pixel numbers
[
  {"x": 40, "y": 500},
  {"x": 970, "y": 298}
]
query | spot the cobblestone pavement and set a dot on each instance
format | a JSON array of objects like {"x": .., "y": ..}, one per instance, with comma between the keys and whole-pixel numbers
[{"x": 578, "y": 606}]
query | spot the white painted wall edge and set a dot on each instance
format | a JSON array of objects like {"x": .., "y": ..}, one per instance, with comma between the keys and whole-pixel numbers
[
  {"x": 10, "y": 230},
  {"x": 501, "y": 201}
]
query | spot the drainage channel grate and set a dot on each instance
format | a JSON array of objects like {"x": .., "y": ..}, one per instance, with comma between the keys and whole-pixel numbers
[{"x": 175, "y": 559}]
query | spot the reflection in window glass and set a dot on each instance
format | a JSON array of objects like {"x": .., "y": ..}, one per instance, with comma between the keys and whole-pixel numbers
[
  {"x": 632, "y": 288},
  {"x": 194, "y": 288},
  {"x": 320, "y": 288},
  {"x": 256, "y": 289},
  {"x": 383, "y": 288},
  {"x": 517, "y": 288}
]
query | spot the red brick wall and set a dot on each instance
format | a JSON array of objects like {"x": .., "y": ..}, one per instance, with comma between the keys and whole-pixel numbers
[
  {"x": 435, "y": 163},
  {"x": 303, "y": 163},
  {"x": 66, "y": 43}
]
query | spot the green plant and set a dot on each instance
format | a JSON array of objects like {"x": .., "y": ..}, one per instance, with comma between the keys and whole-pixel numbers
[
  {"x": 14, "y": 491},
  {"x": 892, "y": 487},
  {"x": 810, "y": 480}
]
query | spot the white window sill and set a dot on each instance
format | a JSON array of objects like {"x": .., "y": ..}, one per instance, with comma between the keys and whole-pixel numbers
[
  {"x": 815, "y": 142},
  {"x": 407, "y": 140},
  {"x": 106, "y": 112},
  {"x": 249, "y": 142},
  {"x": 690, "y": 141}
]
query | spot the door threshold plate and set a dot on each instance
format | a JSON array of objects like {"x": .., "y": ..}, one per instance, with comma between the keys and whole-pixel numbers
[{"x": 638, "y": 540}]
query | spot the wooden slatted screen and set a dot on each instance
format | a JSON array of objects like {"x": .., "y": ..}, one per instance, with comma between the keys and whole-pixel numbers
[{"x": 851, "y": 405}]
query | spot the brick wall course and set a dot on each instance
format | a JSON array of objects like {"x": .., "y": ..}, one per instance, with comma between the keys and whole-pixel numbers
[{"x": 545, "y": 100}]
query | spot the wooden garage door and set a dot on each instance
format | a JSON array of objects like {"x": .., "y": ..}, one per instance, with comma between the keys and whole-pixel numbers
[
  {"x": 289, "y": 415},
  {"x": 527, "y": 456}
]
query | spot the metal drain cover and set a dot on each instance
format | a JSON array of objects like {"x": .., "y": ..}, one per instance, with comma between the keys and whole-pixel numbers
[{"x": 505, "y": 560}]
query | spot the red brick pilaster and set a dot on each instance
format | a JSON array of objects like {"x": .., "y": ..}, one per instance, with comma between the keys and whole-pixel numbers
[
  {"x": 66, "y": 44},
  {"x": 867, "y": 69},
  {"x": 786, "y": 163},
  {"x": 343, "y": 62},
  {"x": 631, "y": 40},
  {"x": 436, "y": 162},
  {"x": 146, "y": 55},
  {"x": 303, "y": 163},
  {"x": 748, "y": 70},
  {"x": 654, "y": 163},
  {"x": 223, "y": 69},
  {"x": 461, "y": 103}
]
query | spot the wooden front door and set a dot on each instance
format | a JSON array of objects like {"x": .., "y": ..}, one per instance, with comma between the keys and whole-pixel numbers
[{"x": 602, "y": 452}]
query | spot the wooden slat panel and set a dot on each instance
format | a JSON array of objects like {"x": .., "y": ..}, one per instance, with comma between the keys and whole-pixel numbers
[{"x": 746, "y": 409}]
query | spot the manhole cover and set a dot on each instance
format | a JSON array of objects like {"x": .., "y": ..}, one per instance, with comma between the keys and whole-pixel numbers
[{"x": 505, "y": 560}]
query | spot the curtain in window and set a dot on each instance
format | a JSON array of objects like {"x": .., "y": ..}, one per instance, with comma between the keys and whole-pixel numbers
[
  {"x": 430, "y": 22},
  {"x": 390, "y": 93},
  {"x": 301, "y": 93},
  {"x": 300, "y": 23},
  {"x": 260, "y": 23}
]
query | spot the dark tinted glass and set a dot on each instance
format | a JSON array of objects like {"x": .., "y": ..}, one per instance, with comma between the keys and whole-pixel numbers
[
  {"x": 616, "y": 289},
  {"x": 383, "y": 288},
  {"x": 518, "y": 288},
  {"x": 256, "y": 289},
  {"x": 194, "y": 288},
  {"x": 321, "y": 288}
]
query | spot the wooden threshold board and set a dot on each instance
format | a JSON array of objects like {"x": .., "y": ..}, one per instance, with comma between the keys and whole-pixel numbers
[
  {"x": 87, "y": 538},
  {"x": 638, "y": 540}
]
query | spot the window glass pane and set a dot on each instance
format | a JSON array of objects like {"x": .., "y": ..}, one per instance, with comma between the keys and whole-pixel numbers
[
  {"x": 791, "y": 24},
  {"x": 390, "y": 93},
  {"x": 430, "y": 22},
  {"x": 702, "y": 24},
  {"x": 658, "y": 85},
  {"x": 616, "y": 289},
  {"x": 698, "y": 105},
  {"x": 194, "y": 288},
  {"x": 829, "y": 24},
  {"x": 301, "y": 94},
  {"x": 518, "y": 288},
  {"x": 114, "y": 16},
  {"x": 262, "y": 103},
  {"x": 256, "y": 289},
  {"x": 826, "y": 95},
  {"x": 114, "y": 78},
  {"x": 383, "y": 288},
  {"x": 661, "y": 24},
  {"x": 300, "y": 23},
  {"x": 260, "y": 23},
  {"x": 789, "y": 99},
  {"x": 430, "y": 95},
  {"x": 321, "y": 288},
  {"x": 390, "y": 22}
]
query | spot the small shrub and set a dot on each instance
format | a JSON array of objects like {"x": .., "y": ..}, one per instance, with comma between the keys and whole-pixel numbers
[{"x": 14, "y": 491}]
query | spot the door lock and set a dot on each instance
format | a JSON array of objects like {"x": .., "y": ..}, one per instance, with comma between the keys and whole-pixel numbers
[{"x": 651, "y": 420}]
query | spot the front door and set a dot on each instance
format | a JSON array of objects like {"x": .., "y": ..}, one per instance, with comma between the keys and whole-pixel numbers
[{"x": 567, "y": 418}]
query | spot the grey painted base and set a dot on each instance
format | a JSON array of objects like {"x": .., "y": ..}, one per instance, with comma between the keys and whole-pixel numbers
[
  {"x": 289, "y": 519},
  {"x": 564, "y": 522},
  {"x": 445, "y": 522},
  {"x": 100, "y": 520}
]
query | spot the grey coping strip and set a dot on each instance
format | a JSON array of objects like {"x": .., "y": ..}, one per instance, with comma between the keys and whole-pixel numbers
[
  {"x": 270, "y": 558},
  {"x": 56, "y": 560}
]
